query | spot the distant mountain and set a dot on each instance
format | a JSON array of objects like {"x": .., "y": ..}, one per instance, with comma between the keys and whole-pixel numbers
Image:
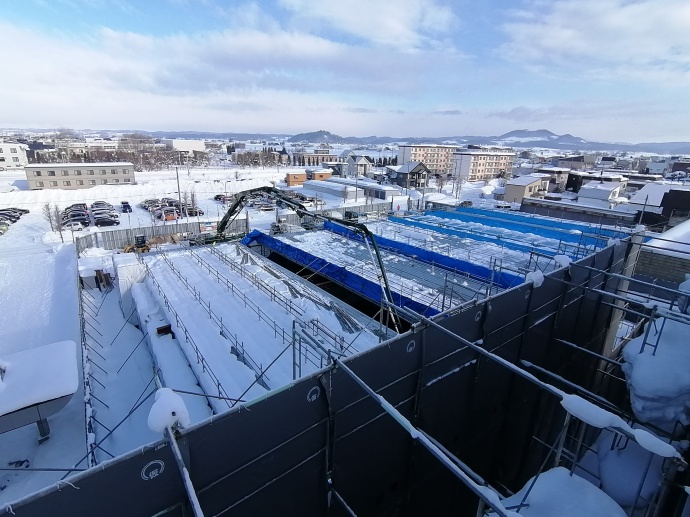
[{"x": 521, "y": 139}]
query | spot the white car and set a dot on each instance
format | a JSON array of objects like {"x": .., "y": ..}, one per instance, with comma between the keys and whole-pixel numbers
[{"x": 74, "y": 226}]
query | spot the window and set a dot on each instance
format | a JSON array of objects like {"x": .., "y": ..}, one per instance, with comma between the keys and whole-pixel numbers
[
  {"x": 92, "y": 182},
  {"x": 1, "y": 150},
  {"x": 37, "y": 173},
  {"x": 77, "y": 173},
  {"x": 65, "y": 173},
  {"x": 13, "y": 150},
  {"x": 53, "y": 183},
  {"x": 14, "y": 158},
  {"x": 66, "y": 183},
  {"x": 116, "y": 180},
  {"x": 51, "y": 173},
  {"x": 104, "y": 182},
  {"x": 113, "y": 171},
  {"x": 125, "y": 171},
  {"x": 39, "y": 183},
  {"x": 90, "y": 173},
  {"x": 80, "y": 182},
  {"x": 127, "y": 180},
  {"x": 102, "y": 172}
]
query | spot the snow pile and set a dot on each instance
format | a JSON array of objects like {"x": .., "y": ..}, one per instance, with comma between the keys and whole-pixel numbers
[
  {"x": 562, "y": 260},
  {"x": 659, "y": 384},
  {"x": 536, "y": 277},
  {"x": 167, "y": 411},
  {"x": 556, "y": 492},
  {"x": 598, "y": 417},
  {"x": 620, "y": 465}
]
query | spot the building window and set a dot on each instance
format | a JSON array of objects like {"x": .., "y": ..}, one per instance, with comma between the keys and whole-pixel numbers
[
  {"x": 102, "y": 172},
  {"x": 92, "y": 182},
  {"x": 65, "y": 173},
  {"x": 90, "y": 173},
  {"x": 66, "y": 183},
  {"x": 77, "y": 173},
  {"x": 113, "y": 171},
  {"x": 37, "y": 173},
  {"x": 53, "y": 183},
  {"x": 13, "y": 150},
  {"x": 125, "y": 171},
  {"x": 116, "y": 180},
  {"x": 1, "y": 150},
  {"x": 104, "y": 182},
  {"x": 127, "y": 180},
  {"x": 39, "y": 183},
  {"x": 51, "y": 173},
  {"x": 14, "y": 158},
  {"x": 80, "y": 182}
]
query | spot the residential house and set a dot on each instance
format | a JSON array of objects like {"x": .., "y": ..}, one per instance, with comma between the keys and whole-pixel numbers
[
  {"x": 601, "y": 194},
  {"x": 359, "y": 165},
  {"x": 525, "y": 186},
  {"x": 74, "y": 176},
  {"x": 572, "y": 162},
  {"x": 410, "y": 175}
]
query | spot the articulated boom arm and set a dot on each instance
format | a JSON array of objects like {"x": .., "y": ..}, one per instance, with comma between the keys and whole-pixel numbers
[{"x": 301, "y": 211}]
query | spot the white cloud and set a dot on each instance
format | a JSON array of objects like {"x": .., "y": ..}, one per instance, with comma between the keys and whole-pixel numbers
[
  {"x": 644, "y": 39},
  {"x": 407, "y": 25}
]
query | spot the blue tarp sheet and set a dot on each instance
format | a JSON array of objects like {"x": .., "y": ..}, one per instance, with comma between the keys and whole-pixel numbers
[
  {"x": 504, "y": 280},
  {"x": 473, "y": 236},
  {"x": 338, "y": 274},
  {"x": 566, "y": 236},
  {"x": 524, "y": 218}
]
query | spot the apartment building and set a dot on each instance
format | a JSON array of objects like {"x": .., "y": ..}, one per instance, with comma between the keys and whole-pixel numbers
[
  {"x": 481, "y": 164},
  {"x": 73, "y": 176},
  {"x": 437, "y": 158},
  {"x": 12, "y": 156}
]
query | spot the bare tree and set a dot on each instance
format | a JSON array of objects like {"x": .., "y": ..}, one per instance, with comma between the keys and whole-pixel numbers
[
  {"x": 57, "y": 217},
  {"x": 192, "y": 199},
  {"x": 440, "y": 182},
  {"x": 49, "y": 216}
]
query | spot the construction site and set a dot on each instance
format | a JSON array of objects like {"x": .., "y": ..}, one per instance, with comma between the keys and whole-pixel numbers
[{"x": 460, "y": 362}]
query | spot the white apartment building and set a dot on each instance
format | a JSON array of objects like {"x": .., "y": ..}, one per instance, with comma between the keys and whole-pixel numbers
[
  {"x": 437, "y": 158},
  {"x": 481, "y": 164},
  {"x": 12, "y": 156},
  {"x": 73, "y": 176}
]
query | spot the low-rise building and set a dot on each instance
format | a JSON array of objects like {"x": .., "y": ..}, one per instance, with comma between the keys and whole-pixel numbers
[
  {"x": 525, "y": 186},
  {"x": 295, "y": 178},
  {"x": 481, "y": 164},
  {"x": 359, "y": 165},
  {"x": 12, "y": 155},
  {"x": 73, "y": 176},
  {"x": 602, "y": 194},
  {"x": 409, "y": 175}
]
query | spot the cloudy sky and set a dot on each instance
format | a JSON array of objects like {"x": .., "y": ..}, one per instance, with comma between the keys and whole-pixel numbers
[{"x": 612, "y": 70}]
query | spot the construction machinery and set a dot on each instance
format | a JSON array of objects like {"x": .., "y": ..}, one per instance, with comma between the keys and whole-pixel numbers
[
  {"x": 279, "y": 196},
  {"x": 140, "y": 245}
]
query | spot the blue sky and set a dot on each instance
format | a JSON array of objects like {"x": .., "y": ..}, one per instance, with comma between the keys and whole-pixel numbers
[{"x": 613, "y": 70}]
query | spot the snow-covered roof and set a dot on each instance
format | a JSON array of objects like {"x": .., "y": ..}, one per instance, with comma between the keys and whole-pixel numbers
[
  {"x": 38, "y": 375},
  {"x": 676, "y": 241},
  {"x": 68, "y": 165},
  {"x": 654, "y": 193},
  {"x": 598, "y": 189},
  {"x": 525, "y": 180}
]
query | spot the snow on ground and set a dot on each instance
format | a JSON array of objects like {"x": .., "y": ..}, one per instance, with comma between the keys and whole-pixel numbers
[{"x": 556, "y": 492}]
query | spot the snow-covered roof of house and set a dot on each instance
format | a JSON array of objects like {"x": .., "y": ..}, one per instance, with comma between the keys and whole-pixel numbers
[
  {"x": 598, "y": 189},
  {"x": 524, "y": 180},
  {"x": 326, "y": 184},
  {"x": 408, "y": 167},
  {"x": 676, "y": 241},
  {"x": 653, "y": 193}
]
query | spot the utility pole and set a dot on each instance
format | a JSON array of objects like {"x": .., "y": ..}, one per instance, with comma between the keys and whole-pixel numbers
[{"x": 179, "y": 194}]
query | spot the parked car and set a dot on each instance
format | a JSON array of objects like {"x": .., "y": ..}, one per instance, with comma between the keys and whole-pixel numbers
[
  {"x": 74, "y": 226},
  {"x": 84, "y": 220},
  {"x": 106, "y": 221},
  {"x": 10, "y": 216},
  {"x": 193, "y": 212},
  {"x": 105, "y": 211},
  {"x": 125, "y": 207},
  {"x": 20, "y": 210}
]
